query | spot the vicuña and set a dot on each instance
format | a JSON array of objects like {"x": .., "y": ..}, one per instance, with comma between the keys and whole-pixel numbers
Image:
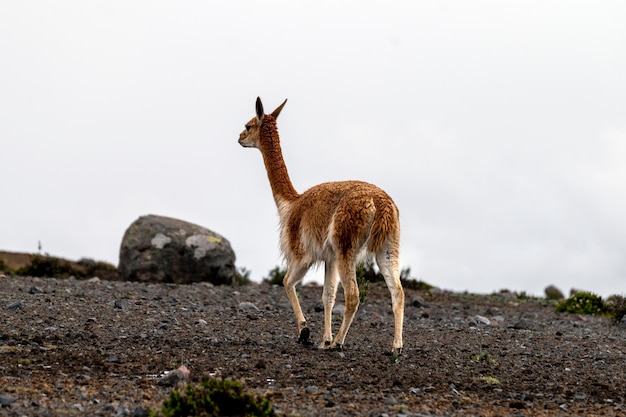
[{"x": 337, "y": 223}]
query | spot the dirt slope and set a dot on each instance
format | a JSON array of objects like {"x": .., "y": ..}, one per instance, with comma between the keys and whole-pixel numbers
[{"x": 70, "y": 347}]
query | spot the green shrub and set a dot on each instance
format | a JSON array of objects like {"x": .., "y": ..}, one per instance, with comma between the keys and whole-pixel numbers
[
  {"x": 242, "y": 276},
  {"x": 583, "y": 303},
  {"x": 3, "y": 266},
  {"x": 276, "y": 276},
  {"x": 53, "y": 267},
  {"x": 415, "y": 284},
  {"x": 212, "y": 398},
  {"x": 48, "y": 266},
  {"x": 100, "y": 269},
  {"x": 362, "y": 282},
  {"x": 616, "y": 304},
  {"x": 371, "y": 274}
]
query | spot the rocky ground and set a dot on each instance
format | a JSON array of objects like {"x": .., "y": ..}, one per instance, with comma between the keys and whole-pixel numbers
[{"x": 94, "y": 347}]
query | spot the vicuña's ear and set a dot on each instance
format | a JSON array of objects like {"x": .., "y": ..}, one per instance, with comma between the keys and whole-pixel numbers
[
  {"x": 259, "y": 109},
  {"x": 276, "y": 112}
]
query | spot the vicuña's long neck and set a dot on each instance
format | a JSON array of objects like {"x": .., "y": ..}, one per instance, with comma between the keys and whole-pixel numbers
[{"x": 282, "y": 188}]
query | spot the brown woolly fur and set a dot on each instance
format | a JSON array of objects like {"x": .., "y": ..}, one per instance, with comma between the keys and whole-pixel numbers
[{"x": 337, "y": 223}]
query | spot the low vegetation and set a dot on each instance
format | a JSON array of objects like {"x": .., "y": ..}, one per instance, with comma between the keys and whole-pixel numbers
[
  {"x": 54, "y": 267},
  {"x": 212, "y": 398},
  {"x": 275, "y": 276},
  {"x": 593, "y": 304},
  {"x": 616, "y": 305},
  {"x": 366, "y": 273},
  {"x": 583, "y": 303},
  {"x": 242, "y": 276}
]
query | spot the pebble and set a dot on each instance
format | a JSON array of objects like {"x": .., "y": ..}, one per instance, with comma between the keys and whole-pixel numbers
[
  {"x": 35, "y": 290},
  {"x": 6, "y": 401},
  {"x": 78, "y": 407},
  {"x": 14, "y": 306},
  {"x": 482, "y": 320},
  {"x": 248, "y": 306},
  {"x": 339, "y": 309},
  {"x": 123, "y": 411},
  {"x": 417, "y": 301},
  {"x": 390, "y": 401},
  {"x": 122, "y": 304},
  {"x": 175, "y": 377},
  {"x": 525, "y": 324},
  {"x": 311, "y": 389},
  {"x": 140, "y": 412}
]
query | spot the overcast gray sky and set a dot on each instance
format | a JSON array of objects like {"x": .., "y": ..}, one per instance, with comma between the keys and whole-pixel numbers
[{"x": 499, "y": 127}]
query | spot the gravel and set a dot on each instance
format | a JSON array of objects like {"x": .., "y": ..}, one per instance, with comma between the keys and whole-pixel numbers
[{"x": 92, "y": 347}]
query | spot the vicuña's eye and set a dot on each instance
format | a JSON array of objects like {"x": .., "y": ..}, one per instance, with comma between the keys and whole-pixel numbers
[{"x": 247, "y": 127}]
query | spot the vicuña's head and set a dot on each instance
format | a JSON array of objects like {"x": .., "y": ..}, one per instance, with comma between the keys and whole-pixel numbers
[{"x": 251, "y": 135}]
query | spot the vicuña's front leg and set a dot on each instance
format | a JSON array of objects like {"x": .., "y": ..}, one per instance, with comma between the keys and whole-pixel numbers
[
  {"x": 292, "y": 278},
  {"x": 331, "y": 283}
]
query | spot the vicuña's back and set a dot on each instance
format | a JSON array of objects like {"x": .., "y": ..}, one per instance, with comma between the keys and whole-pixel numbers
[{"x": 338, "y": 223}]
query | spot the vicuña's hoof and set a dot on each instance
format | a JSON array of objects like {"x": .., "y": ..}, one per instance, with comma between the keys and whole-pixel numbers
[
  {"x": 304, "y": 336},
  {"x": 394, "y": 352}
]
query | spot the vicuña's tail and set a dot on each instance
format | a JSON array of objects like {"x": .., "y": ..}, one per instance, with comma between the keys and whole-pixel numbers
[{"x": 386, "y": 226}]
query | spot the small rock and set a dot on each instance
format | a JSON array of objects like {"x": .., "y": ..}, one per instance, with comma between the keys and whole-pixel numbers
[
  {"x": 82, "y": 379},
  {"x": 176, "y": 377},
  {"x": 78, "y": 407},
  {"x": 123, "y": 411},
  {"x": 518, "y": 405},
  {"x": 35, "y": 290},
  {"x": 622, "y": 323},
  {"x": 390, "y": 401},
  {"x": 525, "y": 324},
  {"x": 140, "y": 412},
  {"x": 248, "y": 306},
  {"x": 339, "y": 309},
  {"x": 6, "y": 401},
  {"x": 482, "y": 320},
  {"x": 497, "y": 319},
  {"x": 311, "y": 389},
  {"x": 417, "y": 301},
  {"x": 14, "y": 306},
  {"x": 122, "y": 304}
]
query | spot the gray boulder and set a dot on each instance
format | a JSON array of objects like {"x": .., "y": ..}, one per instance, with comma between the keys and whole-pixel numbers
[{"x": 162, "y": 249}]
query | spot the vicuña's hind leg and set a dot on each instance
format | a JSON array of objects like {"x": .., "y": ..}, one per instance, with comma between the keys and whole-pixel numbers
[
  {"x": 331, "y": 283},
  {"x": 293, "y": 276},
  {"x": 387, "y": 260},
  {"x": 347, "y": 273}
]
